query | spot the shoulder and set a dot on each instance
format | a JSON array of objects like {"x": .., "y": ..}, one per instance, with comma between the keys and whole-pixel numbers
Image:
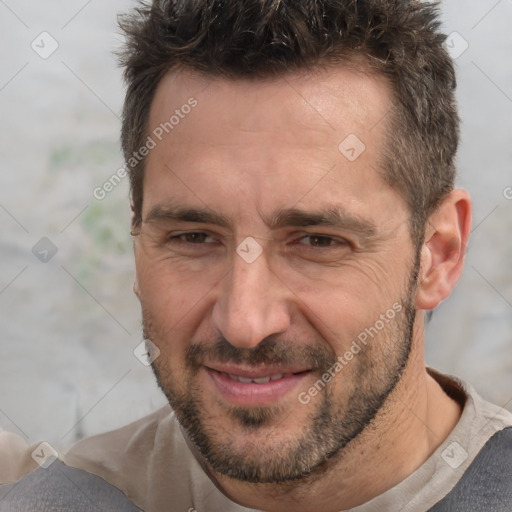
[
  {"x": 33, "y": 478},
  {"x": 126, "y": 456},
  {"x": 118, "y": 447},
  {"x": 487, "y": 482},
  {"x": 154, "y": 463},
  {"x": 133, "y": 440},
  {"x": 58, "y": 487},
  {"x": 15, "y": 457},
  {"x": 492, "y": 468}
]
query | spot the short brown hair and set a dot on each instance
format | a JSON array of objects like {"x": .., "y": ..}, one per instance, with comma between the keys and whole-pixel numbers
[{"x": 399, "y": 39}]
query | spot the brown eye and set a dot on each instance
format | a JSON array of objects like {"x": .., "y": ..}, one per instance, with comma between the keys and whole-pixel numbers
[
  {"x": 193, "y": 237},
  {"x": 319, "y": 241}
]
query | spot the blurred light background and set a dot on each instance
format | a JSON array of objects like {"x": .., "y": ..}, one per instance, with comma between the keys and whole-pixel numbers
[{"x": 69, "y": 320}]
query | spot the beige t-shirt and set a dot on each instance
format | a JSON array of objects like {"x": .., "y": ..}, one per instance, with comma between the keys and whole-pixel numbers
[{"x": 156, "y": 466}]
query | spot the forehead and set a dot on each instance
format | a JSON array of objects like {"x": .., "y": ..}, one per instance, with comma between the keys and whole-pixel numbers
[
  {"x": 269, "y": 140},
  {"x": 333, "y": 100}
]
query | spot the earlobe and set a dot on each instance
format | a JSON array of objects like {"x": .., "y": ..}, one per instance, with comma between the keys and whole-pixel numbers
[{"x": 442, "y": 254}]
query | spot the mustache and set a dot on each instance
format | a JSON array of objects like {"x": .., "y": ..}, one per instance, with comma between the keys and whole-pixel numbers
[{"x": 268, "y": 351}]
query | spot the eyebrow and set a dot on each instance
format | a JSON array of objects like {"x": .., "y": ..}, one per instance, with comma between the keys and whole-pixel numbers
[
  {"x": 335, "y": 217},
  {"x": 173, "y": 212}
]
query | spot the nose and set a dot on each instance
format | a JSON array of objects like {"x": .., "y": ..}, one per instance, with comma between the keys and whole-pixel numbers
[{"x": 252, "y": 304}]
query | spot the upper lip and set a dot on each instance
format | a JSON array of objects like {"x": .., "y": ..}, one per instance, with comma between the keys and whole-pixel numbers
[{"x": 255, "y": 372}]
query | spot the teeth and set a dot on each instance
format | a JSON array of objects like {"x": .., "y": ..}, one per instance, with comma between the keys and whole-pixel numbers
[
  {"x": 261, "y": 380},
  {"x": 258, "y": 380}
]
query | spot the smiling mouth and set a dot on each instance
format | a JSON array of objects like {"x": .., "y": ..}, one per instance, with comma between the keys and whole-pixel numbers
[
  {"x": 260, "y": 380},
  {"x": 255, "y": 387}
]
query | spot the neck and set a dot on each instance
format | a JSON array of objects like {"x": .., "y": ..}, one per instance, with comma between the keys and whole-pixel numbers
[{"x": 417, "y": 417}]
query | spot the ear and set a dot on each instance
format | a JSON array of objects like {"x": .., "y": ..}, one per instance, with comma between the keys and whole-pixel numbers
[{"x": 442, "y": 255}]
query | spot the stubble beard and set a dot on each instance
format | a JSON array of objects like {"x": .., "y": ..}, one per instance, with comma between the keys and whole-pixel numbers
[{"x": 331, "y": 426}]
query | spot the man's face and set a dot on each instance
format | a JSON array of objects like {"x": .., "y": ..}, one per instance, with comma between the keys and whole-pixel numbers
[{"x": 324, "y": 286}]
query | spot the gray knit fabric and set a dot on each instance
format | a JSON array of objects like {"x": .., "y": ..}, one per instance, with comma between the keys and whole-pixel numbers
[
  {"x": 60, "y": 488},
  {"x": 486, "y": 486}
]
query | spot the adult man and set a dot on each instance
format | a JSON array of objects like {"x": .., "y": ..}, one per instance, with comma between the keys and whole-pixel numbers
[{"x": 294, "y": 217}]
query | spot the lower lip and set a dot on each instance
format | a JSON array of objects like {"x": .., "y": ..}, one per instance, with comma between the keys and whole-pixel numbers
[{"x": 240, "y": 393}]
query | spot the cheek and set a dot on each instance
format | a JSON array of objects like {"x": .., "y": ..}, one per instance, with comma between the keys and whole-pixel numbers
[
  {"x": 174, "y": 295},
  {"x": 353, "y": 282},
  {"x": 355, "y": 298}
]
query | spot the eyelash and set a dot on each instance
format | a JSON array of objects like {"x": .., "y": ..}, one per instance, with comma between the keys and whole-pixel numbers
[
  {"x": 333, "y": 241},
  {"x": 188, "y": 233}
]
